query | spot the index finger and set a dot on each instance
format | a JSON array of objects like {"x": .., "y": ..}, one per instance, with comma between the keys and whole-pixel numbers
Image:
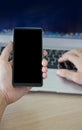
[
  {"x": 74, "y": 52},
  {"x": 44, "y": 53},
  {"x": 6, "y": 51},
  {"x": 70, "y": 57}
]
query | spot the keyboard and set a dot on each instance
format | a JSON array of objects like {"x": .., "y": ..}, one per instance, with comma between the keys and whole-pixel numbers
[{"x": 52, "y": 58}]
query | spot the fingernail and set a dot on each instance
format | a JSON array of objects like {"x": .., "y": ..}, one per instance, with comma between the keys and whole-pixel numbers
[{"x": 59, "y": 58}]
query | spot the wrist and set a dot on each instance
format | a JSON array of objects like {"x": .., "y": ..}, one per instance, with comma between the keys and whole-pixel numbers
[{"x": 3, "y": 104}]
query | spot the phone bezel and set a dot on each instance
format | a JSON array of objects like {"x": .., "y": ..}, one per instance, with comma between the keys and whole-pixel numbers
[{"x": 26, "y": 84}]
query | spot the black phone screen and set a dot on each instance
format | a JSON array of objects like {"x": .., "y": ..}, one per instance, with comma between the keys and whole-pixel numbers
[{"x": 27, "y": 57}]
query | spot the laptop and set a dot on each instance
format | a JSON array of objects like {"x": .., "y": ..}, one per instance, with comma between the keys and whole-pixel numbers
[
  {"x": 53, "y": 83},
  {"x": 62, "y": 31}
]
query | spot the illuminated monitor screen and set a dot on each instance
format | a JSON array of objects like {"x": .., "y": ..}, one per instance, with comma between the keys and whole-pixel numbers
[{"x": 56, "y": 17}]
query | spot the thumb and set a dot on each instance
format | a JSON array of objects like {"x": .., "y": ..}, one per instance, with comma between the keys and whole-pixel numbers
[{"x": 70, "y": 75}]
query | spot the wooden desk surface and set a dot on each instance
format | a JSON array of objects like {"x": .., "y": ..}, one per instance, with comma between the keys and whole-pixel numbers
[{"x": 44, "y": 111}]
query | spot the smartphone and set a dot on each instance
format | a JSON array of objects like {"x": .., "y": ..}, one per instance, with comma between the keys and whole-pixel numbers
[{"x": 27, "y": 57}]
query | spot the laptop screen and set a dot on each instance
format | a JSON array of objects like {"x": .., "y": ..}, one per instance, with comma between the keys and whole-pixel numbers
[{"x": 58, "y": 18}]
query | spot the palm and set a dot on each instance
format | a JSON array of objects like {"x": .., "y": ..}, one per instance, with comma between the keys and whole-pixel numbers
[{"x": 12, "y": 94}]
